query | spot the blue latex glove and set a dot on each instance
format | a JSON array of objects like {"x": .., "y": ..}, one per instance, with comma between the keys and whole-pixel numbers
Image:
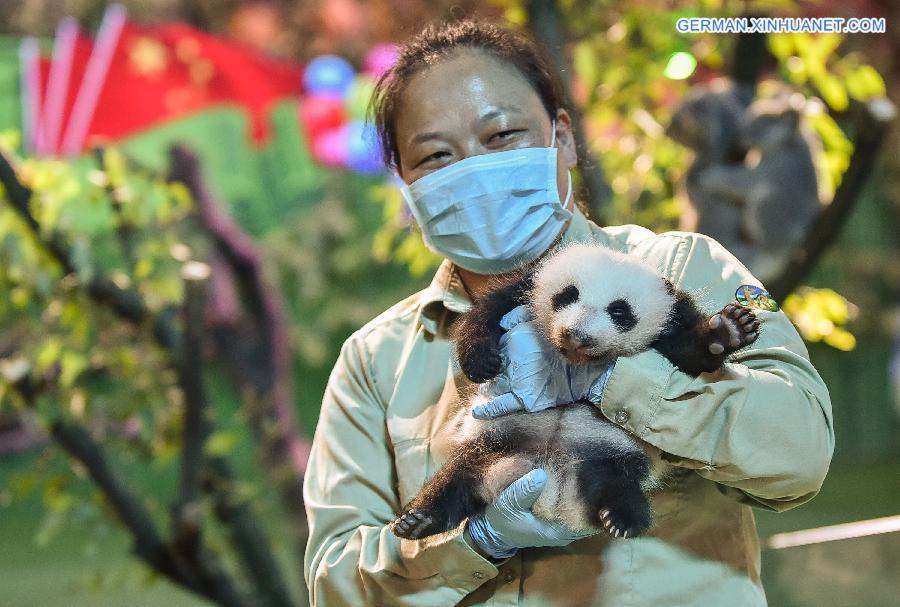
[
  {"x": 508, "y": 524},
  {"x": 534, "y": 376}
]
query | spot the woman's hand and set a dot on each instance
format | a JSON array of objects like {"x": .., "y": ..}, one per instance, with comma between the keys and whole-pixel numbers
[
  {"x": 508, "y": 524},
  {"x": 534, "y": 376}
]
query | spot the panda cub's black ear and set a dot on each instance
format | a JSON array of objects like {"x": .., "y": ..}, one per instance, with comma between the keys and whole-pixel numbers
[{"x": 669, "y": 286}]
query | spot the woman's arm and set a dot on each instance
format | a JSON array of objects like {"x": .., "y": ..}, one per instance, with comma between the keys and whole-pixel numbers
[
  {"x": 352, "y": 558},
  {"x": 761, "y": 424}
]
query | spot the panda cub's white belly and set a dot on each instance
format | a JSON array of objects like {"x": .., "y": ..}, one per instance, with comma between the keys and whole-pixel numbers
[{"x": 550, "y": 440}]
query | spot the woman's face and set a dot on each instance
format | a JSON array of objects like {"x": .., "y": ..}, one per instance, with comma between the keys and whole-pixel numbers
[{"x": 474, "y": 104}]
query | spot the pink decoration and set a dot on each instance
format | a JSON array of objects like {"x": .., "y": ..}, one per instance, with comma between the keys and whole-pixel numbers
[
  {"x": 380, "y": 59},
  {"x": 330, "y": 147},
  {"x": 320, "y": 113}
]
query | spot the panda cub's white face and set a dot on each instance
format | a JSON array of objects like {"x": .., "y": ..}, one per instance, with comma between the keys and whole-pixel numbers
[{"x": 595, "y": 304}]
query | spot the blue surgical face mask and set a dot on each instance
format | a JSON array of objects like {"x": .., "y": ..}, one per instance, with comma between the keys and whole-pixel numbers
[{"x": 491, "y": 213}]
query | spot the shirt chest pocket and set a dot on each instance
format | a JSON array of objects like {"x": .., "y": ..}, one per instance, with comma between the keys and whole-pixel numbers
[{"x": 411, "y": 461}]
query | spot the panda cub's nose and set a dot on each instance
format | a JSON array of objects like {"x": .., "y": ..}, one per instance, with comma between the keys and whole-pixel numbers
[{"x": 574, "y": 339}]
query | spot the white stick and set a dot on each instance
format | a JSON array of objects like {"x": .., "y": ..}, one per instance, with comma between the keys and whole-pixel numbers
[
  {"x": 30, "y": 74},
  {"x": 58, "y": 84},
  {"x": 94, "y": 79}
]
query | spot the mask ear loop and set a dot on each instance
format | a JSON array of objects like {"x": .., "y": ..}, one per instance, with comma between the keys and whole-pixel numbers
[
  {"x": 568, "y": 192},
  {"x": 565, "y": 204}
]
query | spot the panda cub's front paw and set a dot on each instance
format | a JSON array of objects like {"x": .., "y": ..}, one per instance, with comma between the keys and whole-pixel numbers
[
  {"x": 413, "y": 525},
  {"x": 732, "y": 329},
  {"x": 481, "y": 361}
]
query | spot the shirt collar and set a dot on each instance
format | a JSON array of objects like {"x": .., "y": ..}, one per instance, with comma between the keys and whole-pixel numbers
[{"x": 446, "y": 296}]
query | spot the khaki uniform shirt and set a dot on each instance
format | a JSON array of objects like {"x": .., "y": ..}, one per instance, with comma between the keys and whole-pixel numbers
[{"x": 757, "y": 433}]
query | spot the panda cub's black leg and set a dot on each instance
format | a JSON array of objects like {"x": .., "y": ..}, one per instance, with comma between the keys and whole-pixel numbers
[
  {"x": 714, "y": 338},
  {"x": 451, "y": 495},
  {"x": 734, "y": 327},
  {"x": 476, "y": 334},
  {"x": 611, "y": 489},
  {"x": 695, "y": 343}
]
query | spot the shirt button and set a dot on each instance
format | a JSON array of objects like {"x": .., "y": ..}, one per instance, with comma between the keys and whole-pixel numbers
[
  {"x": 510, "y": 576},
  {"x": 477, "y": 575},
  {"x": 621, "y": 416}
]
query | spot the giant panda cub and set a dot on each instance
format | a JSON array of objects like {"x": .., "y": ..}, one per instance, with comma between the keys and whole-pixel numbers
[{"x": 592, "y": 304}]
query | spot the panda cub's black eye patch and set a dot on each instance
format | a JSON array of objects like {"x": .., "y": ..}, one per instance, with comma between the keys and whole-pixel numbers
[
  {"x": 567, "y": 296},
  {"x": 622, "y": 315}
]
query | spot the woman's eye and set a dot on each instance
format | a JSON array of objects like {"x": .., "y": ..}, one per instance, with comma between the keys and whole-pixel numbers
[
  {"x": 506, "y": 134},
  {"x": 431, "y": 157}
]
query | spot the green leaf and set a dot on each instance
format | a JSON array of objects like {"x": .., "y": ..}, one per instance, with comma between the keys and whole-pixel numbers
[
  {"x": 781, "y": 45},
  {"x": 220, "y": 443},
  {"x": 47, "y": 355},
  {"x": 841, "y": 339},
  {"x": 824, "y": 45},
  {"x": 833, "y": 91},
  {"x": 24, "y": 484},
  {"x": 864, "y": 83},
  {"x": 585, "y": 63},
  {"x": 81, "y": 259},
  {"x": 50, "y": 526},
  {"x": 114, "y": 163},
  {"x": 72, "y": 364}
]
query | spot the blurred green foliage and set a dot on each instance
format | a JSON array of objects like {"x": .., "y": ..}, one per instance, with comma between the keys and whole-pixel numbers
[
  {"x": 822, "y": 315},
  {"x": 50, "y": 325},
  {"x": 101, "y": 371},
  {"x": 327, "y": 259}
]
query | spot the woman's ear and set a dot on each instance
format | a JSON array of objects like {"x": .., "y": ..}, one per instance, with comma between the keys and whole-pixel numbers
[{"x": 565, "y": 139}]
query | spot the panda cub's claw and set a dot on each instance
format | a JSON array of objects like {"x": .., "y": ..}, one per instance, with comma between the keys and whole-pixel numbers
[
  {"x": 618, "y": 526},
  {"x": 734, "y": 327},
  {"x": 412, "y": 525}
]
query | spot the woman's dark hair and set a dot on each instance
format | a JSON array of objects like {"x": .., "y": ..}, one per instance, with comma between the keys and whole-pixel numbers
[{"x": 440, "y": 41}]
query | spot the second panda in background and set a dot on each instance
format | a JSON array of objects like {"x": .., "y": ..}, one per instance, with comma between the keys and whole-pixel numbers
[
  {"x": 776, "y": 189},
  {"x": 592, "y": 304}
]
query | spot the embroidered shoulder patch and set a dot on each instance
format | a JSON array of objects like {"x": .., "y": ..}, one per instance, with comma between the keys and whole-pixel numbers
[{"x": 755, "y": 297}]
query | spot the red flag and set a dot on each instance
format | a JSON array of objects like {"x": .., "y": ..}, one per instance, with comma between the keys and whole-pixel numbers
[{"x": 159, "y": 73}]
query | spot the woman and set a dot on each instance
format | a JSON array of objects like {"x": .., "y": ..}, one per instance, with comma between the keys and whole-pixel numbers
[{"x": 757, "y": 433}]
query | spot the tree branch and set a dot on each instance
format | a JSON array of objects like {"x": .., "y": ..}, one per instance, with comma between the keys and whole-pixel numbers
[
  {"x": 749, "y": 58},
  {"x": 285, "y": 452},
  {"x": 872, "y": 123},
  {"x": 201, "y": 578},
  {"x": 147, "y": 543},
  {"x": 545, "y": 22},
  {"x": 126, "y": 231},
  {"x": 185, "y": 512},
  {"x": 247, "y": 535}
]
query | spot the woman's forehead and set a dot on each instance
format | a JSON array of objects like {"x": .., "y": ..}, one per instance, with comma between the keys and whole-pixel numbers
[{"x": 457, "y": 92}]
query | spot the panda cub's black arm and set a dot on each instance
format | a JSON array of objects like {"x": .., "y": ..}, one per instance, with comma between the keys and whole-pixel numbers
[
  {"x": 687, "y": 339},
  {"x": 476, "y": 334}
]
